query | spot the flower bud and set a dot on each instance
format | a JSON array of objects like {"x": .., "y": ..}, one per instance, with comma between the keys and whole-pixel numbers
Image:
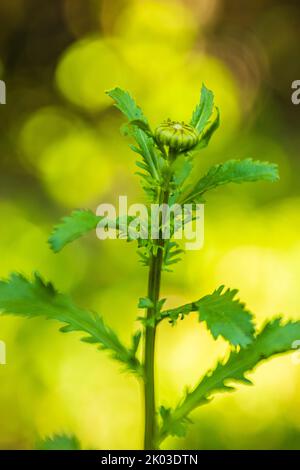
[{"x": 178, "y": 136}]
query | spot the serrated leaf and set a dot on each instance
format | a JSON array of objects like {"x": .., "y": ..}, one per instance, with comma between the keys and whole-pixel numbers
[
  {"x": 275, "y": 338},
  {"x": 208, "y": 132},
  {"x": 226, "y": 316},
  {"x": 135, "y": 341},
  {"x": 203, "y": 110},
  {"x": 223, "y": 313},
  {"x": 232, "y": 171},
  {"x": 33, "y": 298},
  {"x": 59, "y": 442},
  {"x": 144, "y": 256},
  {"x": 74, "y": 226},
  {"x": 171, "y": 254},
  {"x": 175, "y": 428},
  {"x": 126, "y": 104},
  {"x": 80, "y": 222}
]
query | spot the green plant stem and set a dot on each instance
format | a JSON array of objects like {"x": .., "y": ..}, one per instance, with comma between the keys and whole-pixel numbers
[
  {"x": 153, "y": 294},
  {"x": 150, "y": 331}
]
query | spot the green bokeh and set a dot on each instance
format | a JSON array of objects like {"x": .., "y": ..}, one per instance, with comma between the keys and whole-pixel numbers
[{"x": 61, "y": 148}]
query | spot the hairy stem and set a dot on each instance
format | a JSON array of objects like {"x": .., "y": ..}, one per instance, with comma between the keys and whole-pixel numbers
[{"x": 150, "y": 330}]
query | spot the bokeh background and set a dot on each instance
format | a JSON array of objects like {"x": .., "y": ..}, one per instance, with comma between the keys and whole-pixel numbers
[{"x": 61, "y": 148}]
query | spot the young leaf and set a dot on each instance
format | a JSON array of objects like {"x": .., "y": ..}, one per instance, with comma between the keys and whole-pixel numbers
[
  {"x": 181, "y": 170},
  {"x": 172, "y": 254},
  {"x": 20, "y": 296},
  {"x": 144, "y": 302},
  {"x": 82, "y": 221},
  {"x": 135, "y": 342},
  {"x": 275, "y": 338},
  {"x": 125, "y": 103},
  {"x": 208, "y": 132},
  {"x": 144, "y": 256},
  {"x": 72, "y": 227},
  {"x": 224, "y": 316},
  {"x": 203, "y": 110},
  {"x": 232, "y": 171},
  {"x": 141, "y": 124},
  {"x": 59, "y": 442}
]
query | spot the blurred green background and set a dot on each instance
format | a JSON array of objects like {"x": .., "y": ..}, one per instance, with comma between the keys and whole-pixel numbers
[{"x": 60, "y": 148}]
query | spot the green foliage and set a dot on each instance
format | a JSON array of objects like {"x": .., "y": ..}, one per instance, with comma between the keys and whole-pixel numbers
[
  {"x": 232, "y": 171},
  {"x": 59, "y": 442},
  {"x": 126, "y": 104},
  {"x": 140, "y": 132},
  {"x": 143, "y": 125},
  {"x": 224, "y": 316},
  {"x": 275, "y": 338},
  {"x": 208, "y": 132},
  {"x": 172, "y": 254},
  {"x": 165, "y": 166},
  {"x": 135, "y": 342},
  {"x": 175, "y": 428},
  {"x": 145, "y": 302},
  {"x": 20, "y": 296},
  {"x": 82, "y": 221},
  {"x": 181, "y": 169},
  {"x": 203, "y": 110},
  {"x": 72, "y": 227}
]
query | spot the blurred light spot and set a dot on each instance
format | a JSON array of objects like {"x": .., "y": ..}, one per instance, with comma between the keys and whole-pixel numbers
[
  {"x": 167, "y": 22},
  {"x": 207, "y": 11},
  {"x": 248, "y": 62},
  {"x": 268, "y": 280},
  {"x": 24, "y": 248},
  {"x": 87, "y": 69},
  {"x": 75, "y": 170},
  {"x": 45, "y": 126}
]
